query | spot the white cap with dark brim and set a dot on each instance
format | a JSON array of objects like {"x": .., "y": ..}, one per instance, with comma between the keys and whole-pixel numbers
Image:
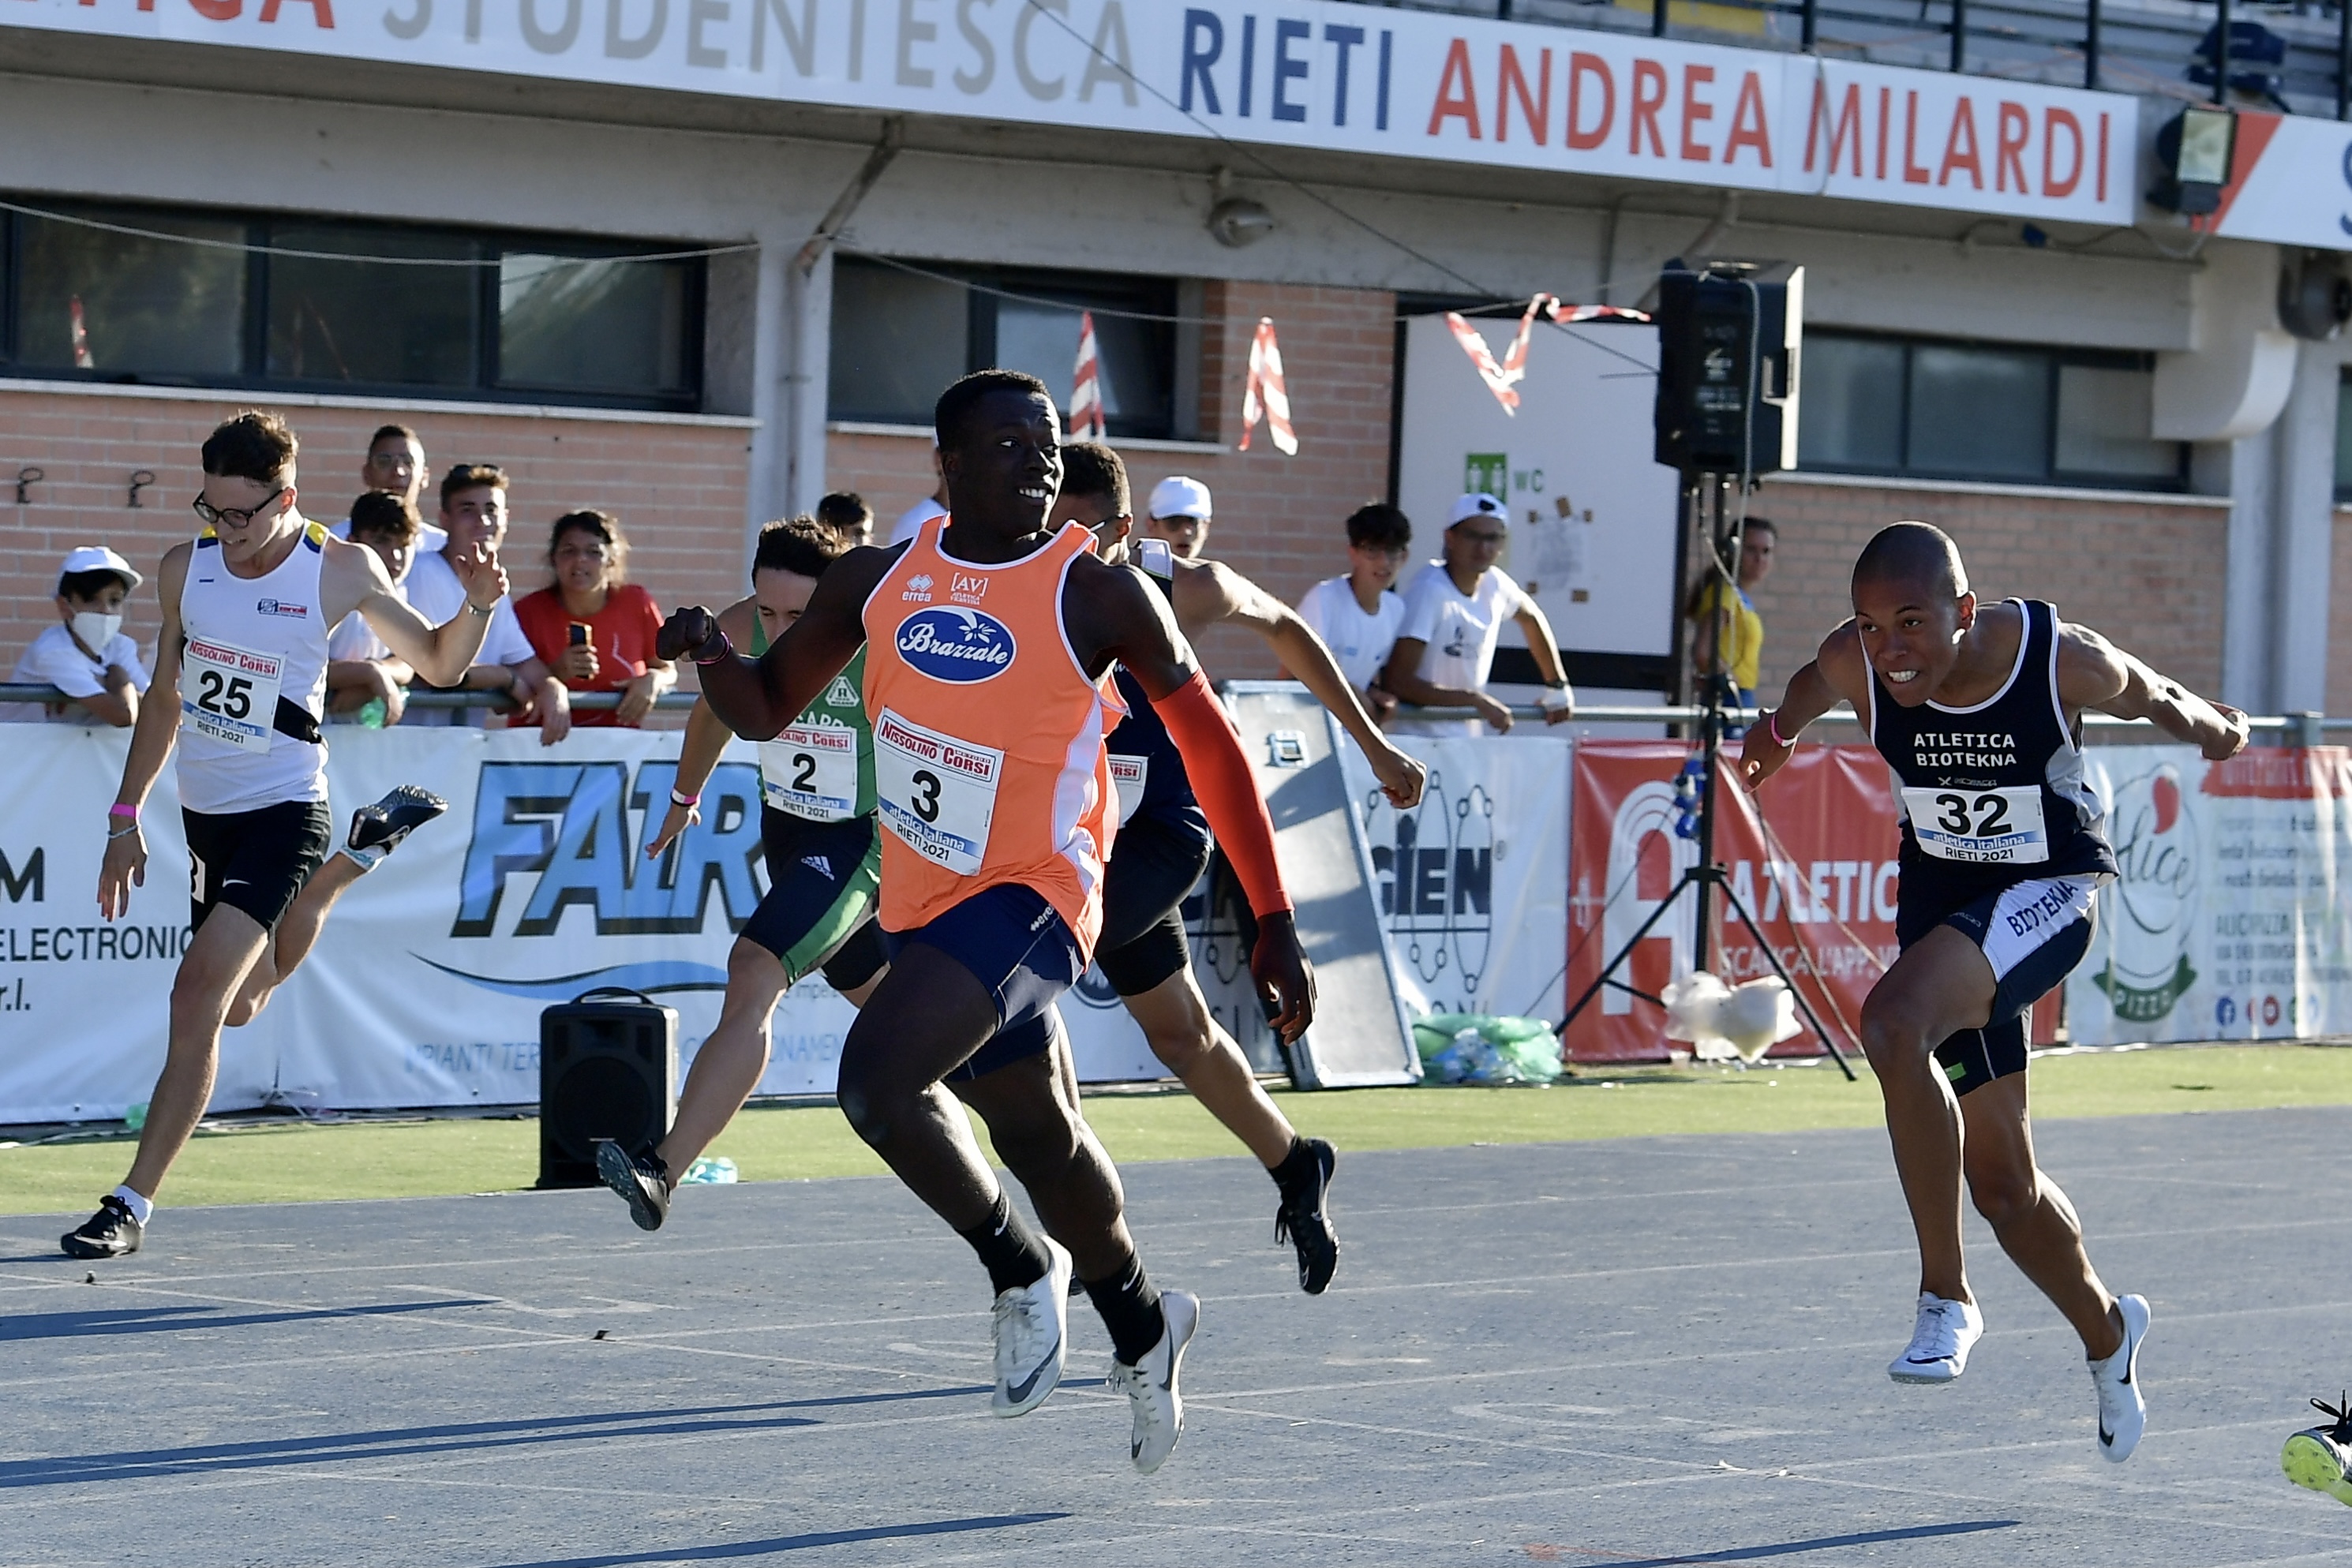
[
  {"x": 1478, "y": 504},
  {"x": 1179, "y": 496}
]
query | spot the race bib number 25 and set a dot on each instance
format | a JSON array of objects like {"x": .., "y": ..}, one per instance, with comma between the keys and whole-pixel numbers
[
  {"x": 1988, "y": 827},
  {"x": 230, "y": 694},
  {"x": 937, "y": 793}
]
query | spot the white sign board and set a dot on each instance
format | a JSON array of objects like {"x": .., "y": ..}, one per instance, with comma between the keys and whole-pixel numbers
[
  {"x": 1344, "y": 77},
  {"x": 2291, "y": 183},
  {"x": 1593, "y": 517}
]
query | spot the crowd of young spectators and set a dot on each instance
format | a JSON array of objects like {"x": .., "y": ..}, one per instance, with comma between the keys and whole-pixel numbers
[{"x": 1405, "y": 636}]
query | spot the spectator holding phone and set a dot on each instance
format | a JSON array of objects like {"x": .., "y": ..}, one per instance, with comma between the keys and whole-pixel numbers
[{"x": 592, "y": 628}]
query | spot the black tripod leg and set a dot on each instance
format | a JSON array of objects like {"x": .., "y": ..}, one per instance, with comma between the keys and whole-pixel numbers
[
  {"x": 1618, "y": 962},
  {"x": 1773, "y": 958}
]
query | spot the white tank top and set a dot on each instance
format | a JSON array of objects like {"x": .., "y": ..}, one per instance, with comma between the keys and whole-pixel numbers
[{"x": 251, "y": 640}]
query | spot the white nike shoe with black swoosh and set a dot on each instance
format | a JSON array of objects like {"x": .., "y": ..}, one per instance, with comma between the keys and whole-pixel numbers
[
  {"x": 1940, "y": 1341},
  {"x": 1029, "y": 1323},
  {"x": 2122, "y": 1414},
  {"x": 1150, "y": 1386}
]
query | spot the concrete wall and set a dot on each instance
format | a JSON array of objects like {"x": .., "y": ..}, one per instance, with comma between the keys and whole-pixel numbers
[{"x": 676, "y": 485}]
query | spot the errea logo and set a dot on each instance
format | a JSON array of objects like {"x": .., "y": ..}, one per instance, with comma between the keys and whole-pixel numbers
[{"x": 918, "y": 588}]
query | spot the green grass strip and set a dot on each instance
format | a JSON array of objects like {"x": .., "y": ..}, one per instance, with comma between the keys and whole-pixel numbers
[{"x": 283, "y": 1163}]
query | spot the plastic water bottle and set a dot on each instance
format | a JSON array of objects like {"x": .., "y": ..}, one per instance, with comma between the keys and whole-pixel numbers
[
  {"x": 371, "y": 714},
  {"x": 709, "y": 1172},
  {"x": 1686, "y": 795},
  {"x": 135, "y": 1116}
]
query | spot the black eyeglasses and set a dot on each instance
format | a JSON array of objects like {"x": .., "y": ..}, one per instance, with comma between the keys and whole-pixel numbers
[{"x": 214, "y": 517}]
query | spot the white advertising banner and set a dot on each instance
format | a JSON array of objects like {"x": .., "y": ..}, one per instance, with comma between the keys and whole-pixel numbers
[
  {"x": 2291, "y": 183},
  {"x": 2230, "y": 920},
  {"x": 1473, "y": 882},
  {"x": 425, "y": 988},
  {"x": 1361, "y": 79}
]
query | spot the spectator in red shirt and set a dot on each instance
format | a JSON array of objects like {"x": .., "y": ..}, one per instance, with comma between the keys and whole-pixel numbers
[{"x": 595, "y": 628}]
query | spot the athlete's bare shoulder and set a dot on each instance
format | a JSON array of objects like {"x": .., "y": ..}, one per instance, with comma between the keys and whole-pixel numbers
[
  {"x": 1842, "y": 664},
  {"x": 738, "y": 620},
  {"x": 2091, "y": 670},
  {"x": 1106, "y": 608}
]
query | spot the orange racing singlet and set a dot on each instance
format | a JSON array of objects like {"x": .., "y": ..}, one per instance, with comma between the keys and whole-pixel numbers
[{"x": 988, "y": 757}]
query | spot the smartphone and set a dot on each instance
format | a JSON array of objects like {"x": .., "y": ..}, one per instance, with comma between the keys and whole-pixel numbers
[{"x": 578, "y": 634}]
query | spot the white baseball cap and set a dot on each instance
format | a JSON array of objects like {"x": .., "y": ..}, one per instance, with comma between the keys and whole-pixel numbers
[
  {"x": 1178, "y": 496},
  {"x": 97, "y": 558},
  {"x": 1478, "y": 503}
]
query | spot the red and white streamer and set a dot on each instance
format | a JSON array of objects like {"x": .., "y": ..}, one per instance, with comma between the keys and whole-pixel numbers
[
  {"x": 1266, "y": 393},
  {"x": 1086, "y": 386},
  {"x": 1503, "y": 380}
]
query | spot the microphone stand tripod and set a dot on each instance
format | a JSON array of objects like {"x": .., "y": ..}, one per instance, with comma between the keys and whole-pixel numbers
[{"x": 1707, "y": 878}]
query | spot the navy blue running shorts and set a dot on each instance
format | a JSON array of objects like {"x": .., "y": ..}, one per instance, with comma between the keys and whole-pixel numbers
[{"x": 1014, "y": 943}]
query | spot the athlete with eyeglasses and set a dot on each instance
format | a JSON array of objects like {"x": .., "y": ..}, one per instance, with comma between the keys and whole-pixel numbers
[{"x": 247, "y": 606}]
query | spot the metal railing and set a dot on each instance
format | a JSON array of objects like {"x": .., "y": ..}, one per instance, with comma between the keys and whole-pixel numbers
[
  {"x": 2154, "y": 46},
  {"x": 496, "y": 702}
]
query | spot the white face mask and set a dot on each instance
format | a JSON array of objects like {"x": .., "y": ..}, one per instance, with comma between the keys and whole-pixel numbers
[{"x": 96, "y": 629}]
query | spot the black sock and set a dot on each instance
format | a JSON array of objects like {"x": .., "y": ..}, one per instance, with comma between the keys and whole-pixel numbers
[
  {"x": 1299, "y": 1167},
  {"x": 1130, "y": 1310},
  {"x": 1008, "y": 1249}
]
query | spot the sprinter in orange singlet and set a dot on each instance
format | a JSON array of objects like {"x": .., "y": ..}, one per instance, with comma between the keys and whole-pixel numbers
[{"x": 990, "y": 638}]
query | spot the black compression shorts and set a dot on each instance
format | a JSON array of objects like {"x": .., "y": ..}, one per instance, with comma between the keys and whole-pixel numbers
[
  {"x": 1155, "y": 861},
  {"x": 255, "y": 861}
]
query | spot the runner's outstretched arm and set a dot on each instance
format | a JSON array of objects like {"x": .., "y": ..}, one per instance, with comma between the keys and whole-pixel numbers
[
  {"x": 1837, "y": 674},
  {"x": 1113, "y": 613},
  {"x": 758, "y": 698},
  {"x": 698, "y": 753},
  {"x": 1210, "y": 592},
  {"x": 2093, "y": 673},
  {"x": 151, "y": 739}
]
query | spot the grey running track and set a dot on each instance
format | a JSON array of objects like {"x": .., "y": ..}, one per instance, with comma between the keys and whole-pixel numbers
[{"x": 1659, "y": 1351}]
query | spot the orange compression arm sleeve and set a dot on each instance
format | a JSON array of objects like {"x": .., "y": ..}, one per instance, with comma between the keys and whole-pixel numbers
[{"x": 1220, "y": 770}]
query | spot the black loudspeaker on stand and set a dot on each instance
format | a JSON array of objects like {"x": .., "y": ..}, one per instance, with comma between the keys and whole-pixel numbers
[
  {"x": 1728, "y": 345},
  {"x": 607, "y": 1068}
]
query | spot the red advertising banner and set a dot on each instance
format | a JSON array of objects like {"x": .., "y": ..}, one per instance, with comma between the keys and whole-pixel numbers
[{"x": 1812, "y": 857}]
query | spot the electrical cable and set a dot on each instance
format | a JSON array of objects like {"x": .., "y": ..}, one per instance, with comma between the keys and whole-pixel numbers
[{"x": 246, "y": 249}]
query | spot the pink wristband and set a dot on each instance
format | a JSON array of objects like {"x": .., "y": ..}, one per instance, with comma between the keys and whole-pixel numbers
[
  {"x": 119, "y": 809},
  {"x": 1772, "y": 724}
]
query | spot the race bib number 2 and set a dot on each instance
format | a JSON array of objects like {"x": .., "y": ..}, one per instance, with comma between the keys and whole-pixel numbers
[
  {"x": 810, "y": 772},
  {"x": 1987, "y": 827},
  {"x": 230, "y": 694},
  {"x": 937, "y": 793}
]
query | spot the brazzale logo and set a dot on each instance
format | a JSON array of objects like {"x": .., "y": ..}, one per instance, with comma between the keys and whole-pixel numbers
[{"x": 959, "y": 645}]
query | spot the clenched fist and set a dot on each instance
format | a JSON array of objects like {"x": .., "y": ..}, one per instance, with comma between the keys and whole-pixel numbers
[{"x": 692, "y": 633}]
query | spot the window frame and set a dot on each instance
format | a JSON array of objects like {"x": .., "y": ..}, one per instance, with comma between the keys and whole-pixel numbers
[
  {"x": 489, "y": 245},
  {"x": 1149, "y": 294},
  {"x": 2053, "y": 359}
]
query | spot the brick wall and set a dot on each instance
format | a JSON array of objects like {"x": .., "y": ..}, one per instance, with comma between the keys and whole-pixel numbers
[
  {"x": 678, "y": 487},
  {"x": 1279, "y": 519},
  {"x": 2148, "y": 575}
]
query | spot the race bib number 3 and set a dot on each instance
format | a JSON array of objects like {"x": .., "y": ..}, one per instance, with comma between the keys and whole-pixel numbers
[
  {"x": 230, "y": 694},
  {"x": 937, "y": 793},
  {"x": 1988, "y": 827},
  {"x": 810, "y": 772},
  {"x": 1128, "y": 777}
]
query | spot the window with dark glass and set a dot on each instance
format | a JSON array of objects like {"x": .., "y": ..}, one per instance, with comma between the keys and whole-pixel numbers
[
  {"x": 1968, "y": 411},
  {"x": 148, "y": 295},
  {"x": 2344, "y": 438},
  {"x": 900, "y": 337}
]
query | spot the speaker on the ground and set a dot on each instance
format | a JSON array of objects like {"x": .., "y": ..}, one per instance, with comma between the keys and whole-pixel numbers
[
  {"x": 607, "y": 1068},
  {"x": 1728, "y": 343}
]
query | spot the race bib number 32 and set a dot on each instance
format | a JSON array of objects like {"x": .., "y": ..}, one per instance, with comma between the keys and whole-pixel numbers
[
  {"x": 937, "y": 793},
  {"x": 1988, "y": 827},
  {"x": 230, "y": 694}
]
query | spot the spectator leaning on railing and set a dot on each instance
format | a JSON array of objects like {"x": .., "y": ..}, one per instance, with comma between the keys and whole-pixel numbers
[
  {"x": 366, "y": 684},
  {"x": 592, "y": 628},
  {"x": 1453, "y": 614},
  {"x": 395, "y": 463},
  {"x": 474, "y": 512},
  {"x": 1359, "y": 615},
  {"x": 86, "y": 655}
]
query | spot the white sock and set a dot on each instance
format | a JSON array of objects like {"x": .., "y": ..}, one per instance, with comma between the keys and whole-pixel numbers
[
  {"x": 142, "y": 1210},
  {"x": 367, "y": 859}
]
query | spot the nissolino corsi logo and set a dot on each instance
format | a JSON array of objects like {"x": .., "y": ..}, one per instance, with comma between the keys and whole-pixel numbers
[{"x": 961, "y": 645}]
